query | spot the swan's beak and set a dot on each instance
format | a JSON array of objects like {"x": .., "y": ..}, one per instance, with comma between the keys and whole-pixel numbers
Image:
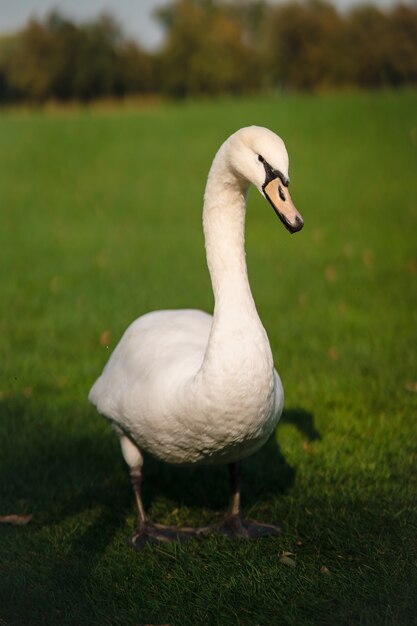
[{"x": 279, "y": 196}]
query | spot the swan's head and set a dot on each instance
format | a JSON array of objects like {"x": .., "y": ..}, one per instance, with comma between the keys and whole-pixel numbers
[{"x": 259, "y": 156}]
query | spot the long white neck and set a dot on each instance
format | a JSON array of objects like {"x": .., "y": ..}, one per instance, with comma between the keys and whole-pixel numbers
[
  {"x": 224, "y": 230},
  {"x": 236, "y": 325}
]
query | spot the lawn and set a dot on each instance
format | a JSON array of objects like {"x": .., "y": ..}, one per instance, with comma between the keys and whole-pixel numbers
[{"x": 100, "y": 221}]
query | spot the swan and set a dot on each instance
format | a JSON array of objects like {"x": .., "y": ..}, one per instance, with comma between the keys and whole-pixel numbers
[{"x": 192, "y": 388}]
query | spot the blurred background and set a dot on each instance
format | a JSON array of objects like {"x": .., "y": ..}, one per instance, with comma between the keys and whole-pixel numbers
[{"x": 80, "y": 51}]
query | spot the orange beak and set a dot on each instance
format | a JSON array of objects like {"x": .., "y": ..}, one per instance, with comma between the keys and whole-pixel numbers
[{"x": 278, "y": 195}]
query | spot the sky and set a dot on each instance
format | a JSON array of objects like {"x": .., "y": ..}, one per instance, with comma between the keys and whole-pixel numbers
[{"x": 135, "y": 16}]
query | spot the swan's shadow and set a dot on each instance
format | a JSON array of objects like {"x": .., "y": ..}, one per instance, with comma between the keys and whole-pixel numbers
[
  {"x": 64, "y": 475},
  {"x": 265, "y": 474},
  {"x": 60, "y": 473},
  {"x": 303, "y": 421},
  {"x": 80, "y": 471}
]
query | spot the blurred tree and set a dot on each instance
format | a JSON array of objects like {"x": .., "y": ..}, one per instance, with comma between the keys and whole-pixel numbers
[
  {"x": 381, "y": 46},
  {"x": 30, "y": 71},
  {"x": 59, "y": 59},
  {"x": 305, "y": 45},
  {"x": 96, "y": 66},
  {"x": 214, "y": 47},
  {"x": 205, "y": 51},
  {"x": 138, "y": 69},
  {"x": 252, "y": 14},
  {"x": 8, "y": 47},
  {"x": 403, "y": 45},
  {"x": 368, "y": 47}
]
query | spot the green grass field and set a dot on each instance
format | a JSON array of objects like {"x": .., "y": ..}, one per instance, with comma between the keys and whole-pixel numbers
[{"x": 100, "y": 221}]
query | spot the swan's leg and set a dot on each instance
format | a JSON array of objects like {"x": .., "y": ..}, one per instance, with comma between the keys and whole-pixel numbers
[
  {"x": 235, "y": 473},
  {"x": 234, "y": 525},
  {"x": 146, "y": 531},
  {"x": 134, "y": 458}
]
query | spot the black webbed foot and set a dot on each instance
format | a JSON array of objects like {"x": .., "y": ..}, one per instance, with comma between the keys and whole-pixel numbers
[
  {"x": 236, "y": 527},
  {"x": 158, "y": 533}
]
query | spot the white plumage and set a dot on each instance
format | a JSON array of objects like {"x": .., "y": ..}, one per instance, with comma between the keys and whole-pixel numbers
[{"x": 189, "y": 387}]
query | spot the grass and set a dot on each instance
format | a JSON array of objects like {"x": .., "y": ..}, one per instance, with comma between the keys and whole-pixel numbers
[{"x": 100, "y": 222}]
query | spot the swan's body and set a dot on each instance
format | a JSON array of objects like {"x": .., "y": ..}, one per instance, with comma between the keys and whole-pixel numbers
[
  {"x": 154, "y": 389},
  {"x": 186, "y": 386}
]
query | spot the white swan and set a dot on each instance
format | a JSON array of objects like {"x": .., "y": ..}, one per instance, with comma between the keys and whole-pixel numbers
[{"x": 189, "y": 387}]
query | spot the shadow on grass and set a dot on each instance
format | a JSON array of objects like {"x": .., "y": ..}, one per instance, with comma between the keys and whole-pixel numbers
[
  {"x": 68, "y": 462},
  {"x": 64, "y": 466},
  {"x": 303, "y": 421},
  {"x": 70, "y": 565},
  {"x": 265, "y": 474}
]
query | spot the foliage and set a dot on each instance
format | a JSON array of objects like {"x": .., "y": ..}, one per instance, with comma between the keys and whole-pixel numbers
[
  {"x": 101, "y": 222},
  {"x": 306, "y": 45},
  {"x": 214, "y": 47},
  {"x": 383, "y": 47},
  {"x": 205, "y": 51},
  {"x": 60, "y": 60}
]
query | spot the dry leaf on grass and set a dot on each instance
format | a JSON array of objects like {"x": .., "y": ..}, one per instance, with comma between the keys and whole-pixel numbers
[
  {"x": 332, "y": 353},
  {"x": 105, "y": 338},
  {"x": 412, "y": 266},
  {"x": 348, "y": 250},
  {"x": 286, "y": 559},
  {"x": 101, "y": 258},
  {"x": 307, "y": 447},
  {"x": 330, "y": 273},
  {"x": 317, "y": 235},
  {"x": 342, "y": 308},
  {"x": 368, "y": 258},
  {"x": 16, "y": 520},
  {"x": 302, "y": 299},
  {"x": 324, "y": 570}
]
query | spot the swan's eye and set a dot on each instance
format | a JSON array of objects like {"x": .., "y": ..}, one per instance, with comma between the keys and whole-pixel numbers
[{"x": 261, "y": 159}]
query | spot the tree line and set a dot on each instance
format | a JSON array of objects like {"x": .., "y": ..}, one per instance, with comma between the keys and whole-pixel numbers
[{"x": 213, "y": 47}]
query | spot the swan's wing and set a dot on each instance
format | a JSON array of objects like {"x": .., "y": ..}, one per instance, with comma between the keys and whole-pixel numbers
[{"x": 157, "y": 352}]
